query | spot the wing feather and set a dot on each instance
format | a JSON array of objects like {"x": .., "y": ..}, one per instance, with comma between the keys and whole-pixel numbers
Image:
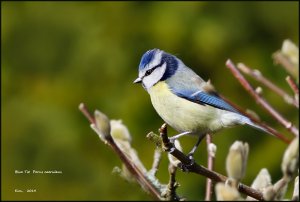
[{"x": 205, "y": 98}]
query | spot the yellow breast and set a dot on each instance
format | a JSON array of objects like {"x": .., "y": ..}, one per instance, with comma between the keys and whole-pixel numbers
[{"x": 181, "y": 114}]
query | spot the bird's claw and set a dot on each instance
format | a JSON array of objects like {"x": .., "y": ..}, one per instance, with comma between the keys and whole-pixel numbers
[{"x": 187, "y": 167}]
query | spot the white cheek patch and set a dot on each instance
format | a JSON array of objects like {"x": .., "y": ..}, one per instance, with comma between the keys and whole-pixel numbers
[{"x": 154, "y": 77}]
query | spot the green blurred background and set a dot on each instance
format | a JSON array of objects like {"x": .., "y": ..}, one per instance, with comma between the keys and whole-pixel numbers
[{"x": 58, "y": 54}]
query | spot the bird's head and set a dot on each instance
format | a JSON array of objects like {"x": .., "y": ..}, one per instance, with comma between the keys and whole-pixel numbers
[{"x": 156, "y": 65}]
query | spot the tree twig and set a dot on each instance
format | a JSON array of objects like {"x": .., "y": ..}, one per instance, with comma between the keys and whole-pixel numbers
[
  {"x": 196, "y": 168},
  {"x": 172, "y": 185},
  {"x": 287, "y": 124},
  {"x": 86, "y": 113},
  {"x": 256, "y": 74},
  {"x": 210, "y": 166},
  {"x": 293, "y": 85},
  {"x": 156, "y": 161},
  {"x": 132, "y": 168}
]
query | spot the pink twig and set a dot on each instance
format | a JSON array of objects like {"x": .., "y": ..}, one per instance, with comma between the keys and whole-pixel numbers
[
  {"x": 132, "y": 168},
  {"x": 287, "y": 124},
  {"x": 86, "y": 113},
  {"x": 293, "y": 85},
  {"x": 210, "y": 166},
  {"x": 259, "y": 77}
]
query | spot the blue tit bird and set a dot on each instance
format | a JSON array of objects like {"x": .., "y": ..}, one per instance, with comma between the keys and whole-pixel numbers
[{"x": 183, "y": 99}]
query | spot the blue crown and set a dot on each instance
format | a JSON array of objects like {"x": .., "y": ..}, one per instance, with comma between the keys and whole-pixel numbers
[{"x": 147, "y": 58}]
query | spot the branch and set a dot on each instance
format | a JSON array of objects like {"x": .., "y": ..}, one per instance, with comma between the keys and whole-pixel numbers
[
  {"x": 169, "y": 193},
  {"x": 293, "y": 86},
  {"x": 196, "y": 168},
  {"x": 256, "y": 74},
  {"x": 287, "y": 124},
  {"x": 172, "y": 185},
  {"x": 132, "y": 168},
  {"x": 211, "y": 150},
  {"x": 156, "y": 161},
  {"x": 86, "y": 113}
]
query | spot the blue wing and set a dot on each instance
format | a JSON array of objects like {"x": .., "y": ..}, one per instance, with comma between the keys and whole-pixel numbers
[{"x": 204, "y": 98}]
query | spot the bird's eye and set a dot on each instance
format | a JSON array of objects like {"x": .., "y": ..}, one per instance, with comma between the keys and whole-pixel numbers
[{"x": 148, "y": 72}]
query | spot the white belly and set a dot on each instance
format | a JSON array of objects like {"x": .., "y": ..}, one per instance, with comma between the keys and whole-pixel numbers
[{"x": 181, "y": 114}]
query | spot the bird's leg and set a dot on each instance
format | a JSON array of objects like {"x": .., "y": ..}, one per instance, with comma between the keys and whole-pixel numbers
[
  {"x": 175, "y": 137},
  {"x": 186, "y": 168},
  {"x": 191, "y": 153}
]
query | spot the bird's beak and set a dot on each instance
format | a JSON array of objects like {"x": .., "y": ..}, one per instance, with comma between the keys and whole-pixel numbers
[{"x": 138, "y": 80}]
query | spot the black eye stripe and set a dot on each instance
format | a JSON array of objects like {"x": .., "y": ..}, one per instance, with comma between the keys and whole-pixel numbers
[{"x": 148, "y": 72}]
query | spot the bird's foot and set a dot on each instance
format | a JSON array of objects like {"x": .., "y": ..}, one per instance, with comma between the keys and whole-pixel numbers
[{"x": 187, "y": 167}]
